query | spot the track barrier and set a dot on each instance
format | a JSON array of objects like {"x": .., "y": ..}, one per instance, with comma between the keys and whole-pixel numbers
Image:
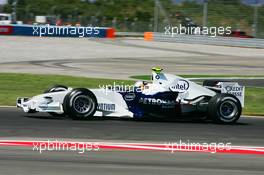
[
  {"x": 206, "y": 40},
  {"x": 57, "y": 31}
]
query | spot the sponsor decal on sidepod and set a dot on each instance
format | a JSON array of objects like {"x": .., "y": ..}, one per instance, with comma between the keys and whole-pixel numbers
[
  {"x": 181, "y": 86},
  {"x": 106, "y": 107},
  {"x": 130, "y": 96}
]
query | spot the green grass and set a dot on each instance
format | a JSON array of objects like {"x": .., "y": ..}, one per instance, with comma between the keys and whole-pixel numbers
[
  {"x": 147, "y": 77},
  {"x": 254, "y": 101},
  {"x": 27, "y": 85}
]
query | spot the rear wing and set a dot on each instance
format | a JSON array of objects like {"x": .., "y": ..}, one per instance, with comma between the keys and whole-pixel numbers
[{"x": 235, "y": 89}]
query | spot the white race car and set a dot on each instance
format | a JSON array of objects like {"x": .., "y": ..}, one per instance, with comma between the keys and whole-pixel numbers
[{"x": 166, "y": 95}]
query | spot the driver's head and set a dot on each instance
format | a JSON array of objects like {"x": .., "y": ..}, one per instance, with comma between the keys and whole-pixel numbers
[
  {"x": 138, "y": 84},
  {"x": 141, "y": 84}
]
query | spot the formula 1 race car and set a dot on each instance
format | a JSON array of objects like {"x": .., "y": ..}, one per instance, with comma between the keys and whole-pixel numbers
[{"x": 166, "y": 95}]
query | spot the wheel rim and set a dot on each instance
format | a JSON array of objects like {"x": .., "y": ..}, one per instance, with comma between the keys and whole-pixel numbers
[
  {"x": 83, "y": 104},
  {"x": 228, "y": 109}
]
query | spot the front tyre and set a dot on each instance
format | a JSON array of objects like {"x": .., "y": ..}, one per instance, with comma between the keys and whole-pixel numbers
[
  {"x": 56, "y": 88},
  {"x": 80, "y": 104},
  {"x": 224, "y": 108}
]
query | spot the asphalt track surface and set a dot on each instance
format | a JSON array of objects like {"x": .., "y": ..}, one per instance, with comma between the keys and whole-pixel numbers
[
  {"x": 16, "y": 125},
  {"x": 120, "y": 59}
]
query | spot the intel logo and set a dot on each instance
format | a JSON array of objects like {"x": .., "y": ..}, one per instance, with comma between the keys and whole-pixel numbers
[
  {"x": 130, "y": 96},
  {"x": 182, "y": 85}
]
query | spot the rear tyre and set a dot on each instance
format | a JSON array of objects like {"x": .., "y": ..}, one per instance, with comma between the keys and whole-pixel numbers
[
  {"x": 56, "y": 88},
  {"x": 213, "y": 83},
  {"x": 80, "y": 104},
  {"x": 210, "y": 83},
  {"x": 224, "y": 108}
]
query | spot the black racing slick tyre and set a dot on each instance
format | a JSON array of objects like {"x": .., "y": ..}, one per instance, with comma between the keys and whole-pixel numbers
[
  {"x": 56, "y": 88},
  {"x": 213, "y": 83},
  {"x": 224, "y": 108},
  {"x": 80, "y": 104}
]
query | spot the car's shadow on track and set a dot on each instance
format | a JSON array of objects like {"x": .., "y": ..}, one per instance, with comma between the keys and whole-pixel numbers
[
  {"x": 148, "y": 119},
  {"x": 45, "y": 117}
]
